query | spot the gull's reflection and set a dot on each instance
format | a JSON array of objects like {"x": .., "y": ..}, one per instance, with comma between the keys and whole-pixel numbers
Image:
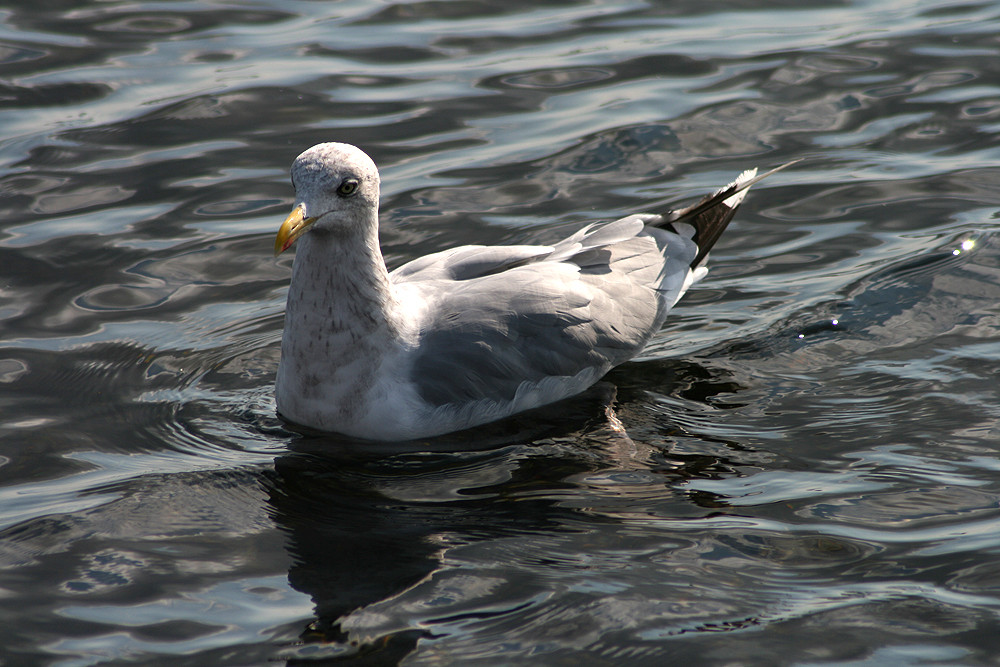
[
  {"x": 366, "y": 521},
  {"x": 374, "y": 529}
]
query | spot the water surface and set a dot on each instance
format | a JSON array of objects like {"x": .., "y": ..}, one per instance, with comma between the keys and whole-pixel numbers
[{"x": 807, "y": 451}]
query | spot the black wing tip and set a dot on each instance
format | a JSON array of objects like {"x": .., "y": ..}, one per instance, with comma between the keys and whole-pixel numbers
[{"x": 712, "y": 214}]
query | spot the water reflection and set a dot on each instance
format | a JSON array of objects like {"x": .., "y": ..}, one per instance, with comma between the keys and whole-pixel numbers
[{"x": 365, "y": 525}]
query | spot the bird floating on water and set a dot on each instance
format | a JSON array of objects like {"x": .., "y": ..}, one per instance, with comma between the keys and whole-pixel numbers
[{"x": 474, "y": 334}]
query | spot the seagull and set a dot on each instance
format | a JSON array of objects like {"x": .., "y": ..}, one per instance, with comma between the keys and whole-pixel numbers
[{"x": 474, "y": 334}]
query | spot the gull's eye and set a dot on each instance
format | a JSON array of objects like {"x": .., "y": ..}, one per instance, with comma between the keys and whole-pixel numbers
[{"x": 348, "y": 187}]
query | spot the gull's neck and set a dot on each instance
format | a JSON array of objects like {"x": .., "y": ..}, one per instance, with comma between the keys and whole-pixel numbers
[
  {"x": 340, "y": 286},
  {"x": 340, "y": 320}
]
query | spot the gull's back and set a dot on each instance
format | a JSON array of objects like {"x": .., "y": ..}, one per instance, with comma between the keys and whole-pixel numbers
[{"x": 526, "y": 329}]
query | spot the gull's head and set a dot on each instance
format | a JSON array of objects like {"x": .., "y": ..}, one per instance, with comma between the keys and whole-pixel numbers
[{"x": 336, "y": 188}]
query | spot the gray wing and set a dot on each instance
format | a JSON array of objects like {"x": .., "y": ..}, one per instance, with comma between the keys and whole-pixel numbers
[
  {"x": 467, "y": 262},
  {"x": 506, "y": 316}
]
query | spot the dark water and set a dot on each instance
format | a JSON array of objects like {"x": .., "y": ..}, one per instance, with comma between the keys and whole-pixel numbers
[{"x": 809, "y": 471}]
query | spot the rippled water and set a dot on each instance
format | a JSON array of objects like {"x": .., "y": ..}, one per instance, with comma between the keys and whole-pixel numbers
[{"x": 808, "y": 471}]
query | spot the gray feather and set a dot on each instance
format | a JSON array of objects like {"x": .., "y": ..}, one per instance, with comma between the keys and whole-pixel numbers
[{"x": 591, "y": 303}]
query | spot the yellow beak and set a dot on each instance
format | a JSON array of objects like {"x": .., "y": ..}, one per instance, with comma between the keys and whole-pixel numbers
[{"x": 294, "y": 226}]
